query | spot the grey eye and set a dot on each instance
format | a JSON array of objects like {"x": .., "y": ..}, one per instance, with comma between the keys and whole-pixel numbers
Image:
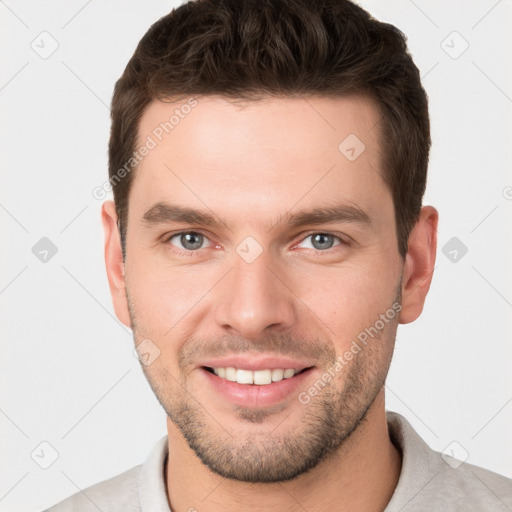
[
  {"x": 321, "y": 241},
  {"x": 189, "y": 241}
]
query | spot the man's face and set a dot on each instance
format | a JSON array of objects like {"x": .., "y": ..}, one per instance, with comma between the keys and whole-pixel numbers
[{"x": 255, "y": 286}]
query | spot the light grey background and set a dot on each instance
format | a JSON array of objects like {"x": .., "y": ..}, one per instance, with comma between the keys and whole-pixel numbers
[{"x": 68, "y": 374}]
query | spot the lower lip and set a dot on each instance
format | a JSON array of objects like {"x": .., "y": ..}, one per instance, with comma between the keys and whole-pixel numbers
[{"x": 253, "y": 395}]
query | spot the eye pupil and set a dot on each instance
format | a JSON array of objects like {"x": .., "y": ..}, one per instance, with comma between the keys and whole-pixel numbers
[
  {"x": 191, "y": 240},
  {"x": 322, "y": 241}
]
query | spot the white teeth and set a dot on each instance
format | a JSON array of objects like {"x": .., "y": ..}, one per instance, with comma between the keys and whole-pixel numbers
[
  {"x": 230, "y": 373},
  {"x": 258, "y": 377},
  {"x": 262, "y": 377},
  {"x": 244, "y": 377},
  {"x": 277, "y": 374}
]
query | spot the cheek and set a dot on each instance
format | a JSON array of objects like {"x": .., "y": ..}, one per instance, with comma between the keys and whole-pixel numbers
[
  {"x": 161, "y": 296},
  {"x": 349, "y": 299}
]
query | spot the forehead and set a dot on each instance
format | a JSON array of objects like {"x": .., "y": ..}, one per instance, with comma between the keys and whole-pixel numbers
[
  {"x": 260, "y": 156},
  {"x": 319, "y": 121}
]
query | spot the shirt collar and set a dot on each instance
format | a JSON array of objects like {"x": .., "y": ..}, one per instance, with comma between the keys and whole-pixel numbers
[
  {"x": 152, "y": 484},
  {"x": 420, "y": 464}
]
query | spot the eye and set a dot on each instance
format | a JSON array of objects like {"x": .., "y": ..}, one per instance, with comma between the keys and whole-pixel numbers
[
  {"x": 321, "y": 241},
  {"x": 188, "y": 240}
]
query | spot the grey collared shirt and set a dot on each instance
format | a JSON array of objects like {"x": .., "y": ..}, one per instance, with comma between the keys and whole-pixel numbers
[{"x": 428, "y": 481}]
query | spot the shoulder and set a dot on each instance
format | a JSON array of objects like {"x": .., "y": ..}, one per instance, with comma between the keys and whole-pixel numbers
[
  {"x": 431, "y": 480},
  {"x": 468, "y": 487},
  {"x": 141, "y": 488},
  {"x": 117, "y": 494}
]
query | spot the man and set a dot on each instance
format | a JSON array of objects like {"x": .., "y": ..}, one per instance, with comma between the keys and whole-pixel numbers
[{"x": 267, "y": 236}]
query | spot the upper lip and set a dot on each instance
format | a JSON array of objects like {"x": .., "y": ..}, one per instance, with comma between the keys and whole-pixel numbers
[{"x": 256, "y": 362}]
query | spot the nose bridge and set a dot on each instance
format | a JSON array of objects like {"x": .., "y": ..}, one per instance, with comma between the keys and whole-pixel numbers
[{"x": 254, "y": 297}]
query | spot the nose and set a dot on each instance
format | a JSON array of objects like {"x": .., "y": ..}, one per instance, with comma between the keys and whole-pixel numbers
[{"x": 255, "y": 299}]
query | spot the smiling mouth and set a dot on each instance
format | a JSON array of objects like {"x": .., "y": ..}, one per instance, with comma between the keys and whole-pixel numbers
[{"x": 257, "y": 377}]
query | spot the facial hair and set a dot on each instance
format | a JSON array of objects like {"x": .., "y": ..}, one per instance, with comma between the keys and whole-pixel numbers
[{"x": 279, "y": 455}]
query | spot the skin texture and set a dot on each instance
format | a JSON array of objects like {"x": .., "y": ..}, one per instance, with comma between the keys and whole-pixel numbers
[{"x": 252, "y": 165}]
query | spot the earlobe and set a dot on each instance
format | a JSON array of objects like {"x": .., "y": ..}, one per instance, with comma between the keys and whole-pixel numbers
[
  {"x": 114, "y": 262},
  {"x": 419, "y": 264}
]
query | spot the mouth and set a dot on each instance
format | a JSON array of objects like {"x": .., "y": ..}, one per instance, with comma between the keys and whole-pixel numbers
[
  {"x": 262, "y": 377},
  {"x": 255, "y": 382}
]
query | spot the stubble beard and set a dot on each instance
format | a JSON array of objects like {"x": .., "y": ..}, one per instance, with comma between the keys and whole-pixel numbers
[{"x": 271, "y": 454}]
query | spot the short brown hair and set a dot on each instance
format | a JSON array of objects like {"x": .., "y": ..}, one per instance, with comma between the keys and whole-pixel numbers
[{"x": 251, "y": 48}]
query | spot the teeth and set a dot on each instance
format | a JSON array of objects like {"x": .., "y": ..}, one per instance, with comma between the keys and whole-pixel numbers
[
  {"x": 230, "y": 373},
  {"x": 262, "y": 377},
  {"x": 277, "y": 374},
  {"x": 244, "y": 377},
  {"x": 259, "y": 377}
]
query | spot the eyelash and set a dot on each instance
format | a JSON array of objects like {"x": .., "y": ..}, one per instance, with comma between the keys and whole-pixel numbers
[{"x": 187, "y": 252}]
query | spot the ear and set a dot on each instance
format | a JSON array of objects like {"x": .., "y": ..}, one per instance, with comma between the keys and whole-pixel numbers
[
  {"x": 114, "y": 262},
  {"x": 419, "y": 264}
]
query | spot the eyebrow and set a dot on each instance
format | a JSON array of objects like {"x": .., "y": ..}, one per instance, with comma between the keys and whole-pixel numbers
[
  {"x": 162, "y": 213},
  {"x": 324, "y": 215}
]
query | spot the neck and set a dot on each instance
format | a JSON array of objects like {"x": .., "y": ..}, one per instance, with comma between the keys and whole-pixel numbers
[{"x": 361, "y": 475}]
